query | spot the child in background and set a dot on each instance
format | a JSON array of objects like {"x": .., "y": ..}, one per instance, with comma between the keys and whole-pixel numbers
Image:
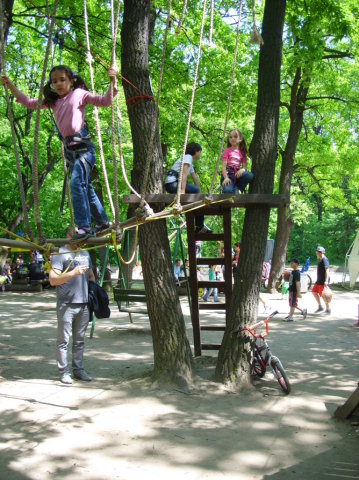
[
  {"x": 234, "y": 164},
  {"x": 177, "y": 271},
  {"x": 211, "y": 277},
  {"x": 294, "y": 291},
  {"x": 66, "y": 95}
]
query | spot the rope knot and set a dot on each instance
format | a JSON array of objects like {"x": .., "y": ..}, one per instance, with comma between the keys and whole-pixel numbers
[
  {"x": 208, "y": 199},
  {"x": 177, "y": 209},
  {"x": 142, "y": 212}
]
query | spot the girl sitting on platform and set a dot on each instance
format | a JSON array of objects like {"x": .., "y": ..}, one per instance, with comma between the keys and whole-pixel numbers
[
  {"x": 234, "y": 162},
  {"x": 66, "y": 95}
]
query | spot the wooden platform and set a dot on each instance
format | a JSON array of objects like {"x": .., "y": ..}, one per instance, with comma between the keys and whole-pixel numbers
[{"x": 226, "y": 199}]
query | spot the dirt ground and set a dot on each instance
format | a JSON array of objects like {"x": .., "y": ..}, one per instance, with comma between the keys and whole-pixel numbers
[{"x": 120, "y": 426}]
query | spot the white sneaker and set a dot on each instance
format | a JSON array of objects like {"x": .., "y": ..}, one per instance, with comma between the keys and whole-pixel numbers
[
  {"x": 288, "y": 319},
  {"x": 66, "y": 378}
]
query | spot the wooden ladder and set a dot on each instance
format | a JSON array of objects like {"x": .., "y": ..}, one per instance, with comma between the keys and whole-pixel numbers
[{"x": 226, "y": 238}]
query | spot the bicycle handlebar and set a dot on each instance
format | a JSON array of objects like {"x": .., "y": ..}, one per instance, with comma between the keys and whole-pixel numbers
[{"x": 256, "y": 325}]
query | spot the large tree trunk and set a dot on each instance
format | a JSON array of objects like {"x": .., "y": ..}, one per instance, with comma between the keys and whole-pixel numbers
[
  {"x": 233, "y": 359},
  {"x": 6, "y": 14},
  {"x": 172, "y": 353},
  {"x": 298, "y": 99}
]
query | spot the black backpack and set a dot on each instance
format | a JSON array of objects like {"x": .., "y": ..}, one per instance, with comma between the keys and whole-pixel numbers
[{"x": 98, "y": 301}]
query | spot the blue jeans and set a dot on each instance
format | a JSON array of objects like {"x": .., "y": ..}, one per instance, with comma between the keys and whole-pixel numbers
[
  {"x": 73, "y": 317},
  {"x": 208, "y": 293},
  {"x": 84, "y": 199},
  {"x": 237, "y": 183},
  {"x": 172, "y": 188}
]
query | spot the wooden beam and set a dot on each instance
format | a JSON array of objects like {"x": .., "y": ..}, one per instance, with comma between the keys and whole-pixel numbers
[
  {"x": 227, "y": 200},
  {"x": 10, "y": 243}
]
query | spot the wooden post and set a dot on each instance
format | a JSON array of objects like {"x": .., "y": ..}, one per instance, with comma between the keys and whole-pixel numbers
[{"x": 349, "y": 407}]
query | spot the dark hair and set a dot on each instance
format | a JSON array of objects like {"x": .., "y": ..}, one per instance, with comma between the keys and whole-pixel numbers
[
  {"x": 242, "y": 143},
  {"x": 50, "y": 97},
  {"x": 295, "y": 260},
  {"x": 237, "y": 244},
  {"x": 192, "y": 148}
]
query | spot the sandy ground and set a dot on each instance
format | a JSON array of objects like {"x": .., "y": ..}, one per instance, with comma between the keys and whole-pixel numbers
[{"x": 121, "y": 427}]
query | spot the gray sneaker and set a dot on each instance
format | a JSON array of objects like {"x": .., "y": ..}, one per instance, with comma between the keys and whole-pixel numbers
[
  {"x": 66, "y": 378},
  {"x": 83, "y": 376},
  {"x": 327, "y": 312},
  {"x": 319, "y": 309},
  {"x": 288, "y": 319},
  {"x": 304, "y": 313}
]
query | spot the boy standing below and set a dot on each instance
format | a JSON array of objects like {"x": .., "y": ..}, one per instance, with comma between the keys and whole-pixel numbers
[
  {"x": 70, "y": 273},
  {"x": 294, "y": 291}
]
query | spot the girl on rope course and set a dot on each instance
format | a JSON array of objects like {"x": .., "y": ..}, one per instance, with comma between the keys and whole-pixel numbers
[
  {"x": 66, "y": 95},
  {"x": 234, "y": 163}
]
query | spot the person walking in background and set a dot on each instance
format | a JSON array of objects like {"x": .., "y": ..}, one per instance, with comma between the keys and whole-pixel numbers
[
  {"x": 322, "y": 281},
  {"x": 235, "y": 257},
  {"x": 294, "y": 291},
  {"x": 208, "y": 292}
]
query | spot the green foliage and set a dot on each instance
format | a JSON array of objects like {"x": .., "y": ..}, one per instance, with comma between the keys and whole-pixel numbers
[{"x": 321, "y": 39}]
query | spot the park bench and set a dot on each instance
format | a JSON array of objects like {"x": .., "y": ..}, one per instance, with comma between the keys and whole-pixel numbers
[
  {"x": 25, "y": 285},
  {"x": 124, "y": 297}
]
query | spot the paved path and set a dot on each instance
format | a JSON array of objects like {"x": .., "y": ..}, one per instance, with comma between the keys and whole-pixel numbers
[{"x": 120, "y": 426}]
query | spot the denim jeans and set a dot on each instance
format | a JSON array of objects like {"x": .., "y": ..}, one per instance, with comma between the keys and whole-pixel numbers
[
  {"x": 172, "y": 188},
  {"x": 71, "y": 317},
  {"x": 84, "y": 199},
  {"x": 237, "y": 183},
  {"x": 208, "y": 293}
]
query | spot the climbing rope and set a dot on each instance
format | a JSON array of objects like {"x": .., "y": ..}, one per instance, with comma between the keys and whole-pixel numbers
[
  {"x": 155, "y": 116},
  {"x": 12, "y": 126},
  {"x": 211, "y": 23},
  {"x": 114, "y": 244},
  {"x": 68, "y": 194},
  {"x": 114, "y": 25},
  {"x": 178, "y": 205},
  {"x": 229, "y": 99},
  {"x": 179, "y": 25},
  {"x": 256, "y": 37},
  {"x": 35, "y": 180},
  {"x": 95, "y": 113}
]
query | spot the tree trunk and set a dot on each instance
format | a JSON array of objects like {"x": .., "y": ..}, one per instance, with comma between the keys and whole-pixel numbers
[
  {"x": 298, "y": 100},
  {"x": 172, "y": 353},
  {"x": 6, "y": 14},
  {"x": 233, "y": 360}
]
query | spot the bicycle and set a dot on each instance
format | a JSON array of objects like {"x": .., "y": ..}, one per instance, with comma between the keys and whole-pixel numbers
[{"x": 262, "y": 355}]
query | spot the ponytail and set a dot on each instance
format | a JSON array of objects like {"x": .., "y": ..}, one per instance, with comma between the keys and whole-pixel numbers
[{"x": 50, "y": 97}]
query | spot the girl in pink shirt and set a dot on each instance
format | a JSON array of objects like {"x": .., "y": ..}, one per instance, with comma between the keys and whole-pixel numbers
[
  {"x": 234, "y": 162},
  {"x": 66, "y": 95}
]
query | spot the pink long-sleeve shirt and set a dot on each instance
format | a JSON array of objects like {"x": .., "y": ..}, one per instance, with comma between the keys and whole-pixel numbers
[
  {"x": 69, "y": 111},
  {"x": 234, "y": 158}
]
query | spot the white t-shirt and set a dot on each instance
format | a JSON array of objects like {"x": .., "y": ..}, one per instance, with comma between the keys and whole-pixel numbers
[{"x": 176, "y": 167}]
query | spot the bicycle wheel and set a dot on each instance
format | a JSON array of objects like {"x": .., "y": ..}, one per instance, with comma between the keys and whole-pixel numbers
[
  {"x": 259, "y": 365},
  {"x": 281, "y": 376},
  {"x": 309, "y": 282}
]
